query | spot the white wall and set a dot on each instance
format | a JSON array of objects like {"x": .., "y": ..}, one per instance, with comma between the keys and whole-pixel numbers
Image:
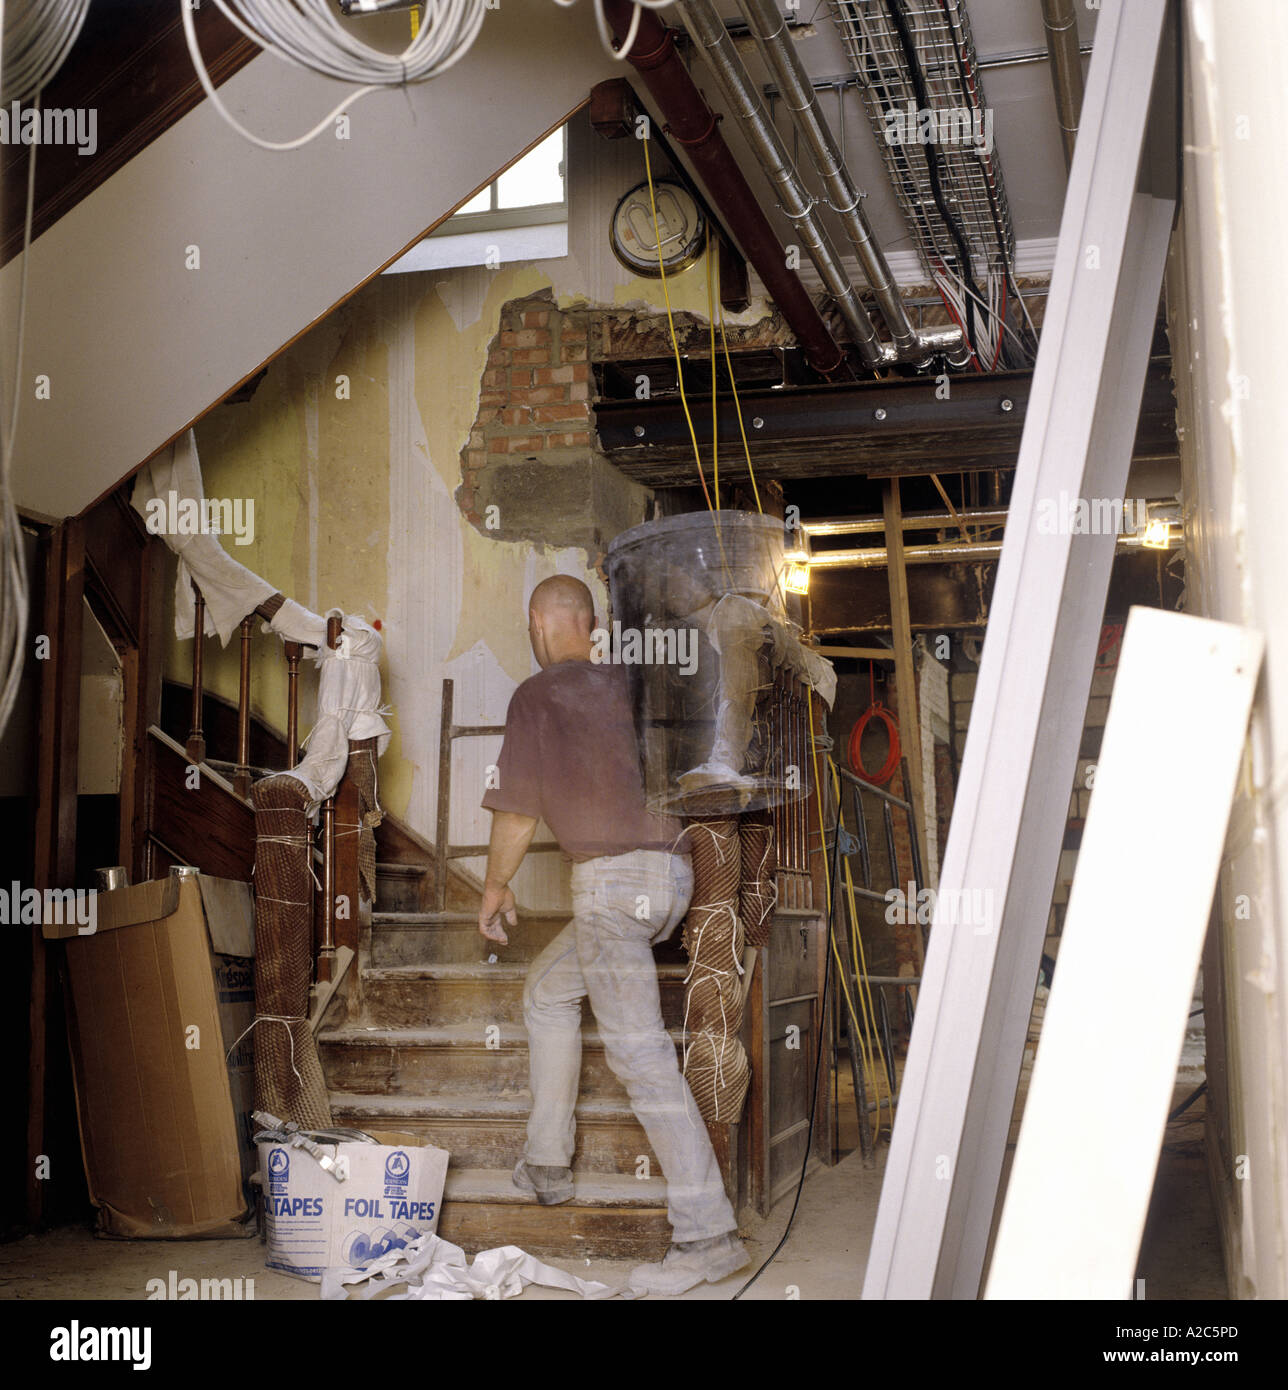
[
  {"x": 137, "y": 346},
  {"x": 1227, "y": 285}
]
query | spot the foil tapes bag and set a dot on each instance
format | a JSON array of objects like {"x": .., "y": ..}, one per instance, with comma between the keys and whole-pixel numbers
[
  {"x": 392, "y": 1195},
  {"x": 700, "y": 624}
]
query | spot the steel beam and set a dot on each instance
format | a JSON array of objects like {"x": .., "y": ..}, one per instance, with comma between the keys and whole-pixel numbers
[
  {"x": 879, "y": 428},
  {"x": 964, "y": 1057}
]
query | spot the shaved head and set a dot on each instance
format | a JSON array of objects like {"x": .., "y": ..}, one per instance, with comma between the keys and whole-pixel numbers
[
  {"x": 561, "y": 613},
  {"x": 563, "y": 593}
]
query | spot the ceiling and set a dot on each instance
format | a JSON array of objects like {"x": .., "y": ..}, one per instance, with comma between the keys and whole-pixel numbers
[{"x": 1019, "y": 93}]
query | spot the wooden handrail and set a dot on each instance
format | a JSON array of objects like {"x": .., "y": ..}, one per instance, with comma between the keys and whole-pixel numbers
[
  {"x": 326, "y": 946},
  {"x": 325, "y": 914}
]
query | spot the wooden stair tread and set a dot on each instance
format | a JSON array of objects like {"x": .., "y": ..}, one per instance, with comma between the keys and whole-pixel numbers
[
  {"x": 481, "y": 970},
  {"x": 509, "y": 1035},
  {"x": 475, "y": 1107},
  {"x": 451, "y": 918},
  {"x": 494, "y": 1185}
]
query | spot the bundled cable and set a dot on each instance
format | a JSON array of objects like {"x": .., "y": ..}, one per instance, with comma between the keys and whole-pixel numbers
[
  {"x": 308, "y": 34},
  {"x": 38, "y": 36},
  {"x": 875, "y": 710},
  {"x": 35, "y": 38}
]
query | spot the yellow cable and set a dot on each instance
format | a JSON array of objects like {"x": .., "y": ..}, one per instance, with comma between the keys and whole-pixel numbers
[
  {"x": 737, "y": 405},
  {"x": 670, "y": 323},
  {"x": 827, "y": 870},
  {"x": 715, "y": 428},
  {"x": 861, "y": 968}
]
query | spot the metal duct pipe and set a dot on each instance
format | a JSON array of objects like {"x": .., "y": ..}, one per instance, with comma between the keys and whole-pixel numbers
[
  {"x": 694, "y": 125},
  {"x": 911, "y": 521},
  {"x": 708, "y": 32},
  {"x": 1061, "y": 25},
  {"x": 876, "y": 556},
  {"x": 843, "y": 197}
]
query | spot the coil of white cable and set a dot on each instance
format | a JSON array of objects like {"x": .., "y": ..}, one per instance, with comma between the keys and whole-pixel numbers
[
  {"x": 308, "y": 34},
  {"x": 38, "y": 35}
]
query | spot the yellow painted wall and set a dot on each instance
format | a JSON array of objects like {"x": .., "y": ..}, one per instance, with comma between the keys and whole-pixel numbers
[{"x": 354, "y": 501}]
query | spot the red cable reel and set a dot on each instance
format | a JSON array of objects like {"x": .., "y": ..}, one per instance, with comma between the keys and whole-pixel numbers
[{"x": 875, "y": 710}]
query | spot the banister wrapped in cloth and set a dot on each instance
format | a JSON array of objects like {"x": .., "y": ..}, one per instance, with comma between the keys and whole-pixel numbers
[{"x": 349, "y": 734}]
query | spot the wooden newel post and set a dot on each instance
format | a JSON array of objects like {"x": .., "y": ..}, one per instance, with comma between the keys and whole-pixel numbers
[
  {"x": 196, "y": 745},
  {"x": 294, "y": 650},
  {"x": 326, "y": 946}
]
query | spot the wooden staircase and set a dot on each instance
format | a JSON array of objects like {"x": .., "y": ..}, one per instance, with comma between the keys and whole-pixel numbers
[
  {"x": 425, "y": 1034},
  {"x": 429, "y": 1040}
]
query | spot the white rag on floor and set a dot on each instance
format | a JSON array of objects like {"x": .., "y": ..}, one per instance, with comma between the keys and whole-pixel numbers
[
  {"x": 436, "y": 1269},
  {"x": 230, "y": 590}
]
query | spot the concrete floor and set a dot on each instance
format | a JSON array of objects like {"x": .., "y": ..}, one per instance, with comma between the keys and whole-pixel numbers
[{"x": 824, "y": 1259}]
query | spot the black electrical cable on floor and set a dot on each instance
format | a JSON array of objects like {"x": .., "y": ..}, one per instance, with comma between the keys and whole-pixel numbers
[
  {"x": 900, "y": 21},
  {"x": 818, "y": 1062},
  {"x": 1187, "y": 1102}
]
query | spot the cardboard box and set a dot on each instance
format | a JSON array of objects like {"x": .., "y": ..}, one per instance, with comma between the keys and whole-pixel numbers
[
  {"x": 393, "y": 1194},
  {"x": 157, "y": 995}
]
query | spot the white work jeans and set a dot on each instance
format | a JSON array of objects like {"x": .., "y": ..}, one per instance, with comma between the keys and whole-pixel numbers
[{"x": 621, "y": 905}]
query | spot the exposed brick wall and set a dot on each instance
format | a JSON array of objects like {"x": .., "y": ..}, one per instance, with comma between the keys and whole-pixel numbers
[
  {"x": 530, "y": 468},
  {"x": 535, "y": 400}
]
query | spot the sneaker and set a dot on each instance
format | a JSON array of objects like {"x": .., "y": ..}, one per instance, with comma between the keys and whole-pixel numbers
[
  {"x": 688, "y": 1263},
  {"x": 550, "y": 1186}
]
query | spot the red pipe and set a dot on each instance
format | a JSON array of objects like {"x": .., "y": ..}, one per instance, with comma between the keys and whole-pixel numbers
[{"x": 693, "y": 124}]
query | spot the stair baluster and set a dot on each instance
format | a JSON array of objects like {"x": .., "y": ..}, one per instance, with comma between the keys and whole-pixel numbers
[
  {"x": 294, "y": 650},
  {"x": 196, "y": 745},
  {"x": 241, "y": 775}
]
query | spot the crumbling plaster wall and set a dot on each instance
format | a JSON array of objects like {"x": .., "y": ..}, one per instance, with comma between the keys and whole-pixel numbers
[{"x": 356, "y": 450}]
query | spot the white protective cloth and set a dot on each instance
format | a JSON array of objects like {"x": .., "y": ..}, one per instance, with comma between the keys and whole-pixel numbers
[
  {"x": 231, "y": 590},
  {"x": 348, "y": 695},
  {"x": 434, "y": 1269},
  {"x": 738, "y": 627}
]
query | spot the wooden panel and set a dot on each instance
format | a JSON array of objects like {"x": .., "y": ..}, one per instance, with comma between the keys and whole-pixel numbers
[
  {"x": 785, "y": 1156},
  {"x": 114, "y": 538},
  {"x": 206, "y": 826},
  {"x": 792, "y": 957},
  {"x": 637, "y": 1233},
  {"x": 130, "y": 65},
  {"x": 791, "y": 1068}
]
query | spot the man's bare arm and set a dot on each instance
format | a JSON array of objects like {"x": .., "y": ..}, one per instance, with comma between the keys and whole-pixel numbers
[{"x": 511, "y": 835}]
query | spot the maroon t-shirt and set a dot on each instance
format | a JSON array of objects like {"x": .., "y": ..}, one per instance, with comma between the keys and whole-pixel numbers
[{"x": 570, "y": 757}]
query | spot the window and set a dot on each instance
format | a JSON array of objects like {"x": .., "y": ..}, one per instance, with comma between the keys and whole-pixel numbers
[
  {"x": 532, "y": 190},
  {"x": 522, "y": 215}
]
